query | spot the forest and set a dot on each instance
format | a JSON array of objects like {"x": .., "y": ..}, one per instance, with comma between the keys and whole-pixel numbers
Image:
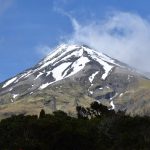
[{"x": 94, "y": 128}]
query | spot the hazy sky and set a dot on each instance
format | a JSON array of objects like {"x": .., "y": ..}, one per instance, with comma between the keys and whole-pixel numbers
[{"x": 30, "y": 28}]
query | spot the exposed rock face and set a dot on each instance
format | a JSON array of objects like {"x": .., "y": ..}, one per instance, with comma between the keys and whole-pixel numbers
[{"x": 75, "y": 75}]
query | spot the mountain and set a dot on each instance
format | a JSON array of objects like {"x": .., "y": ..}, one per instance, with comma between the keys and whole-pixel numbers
[
  {"x": 147, "y": 74},
  {"x": 75, "y": 75}
]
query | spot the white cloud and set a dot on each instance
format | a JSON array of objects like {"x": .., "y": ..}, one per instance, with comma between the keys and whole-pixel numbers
[
  {"x": 124, "y": 36},
  {"x": 4, "y": 5},
  {"x": 121, "y": 35},
  {"x": 43, "y": 49}
]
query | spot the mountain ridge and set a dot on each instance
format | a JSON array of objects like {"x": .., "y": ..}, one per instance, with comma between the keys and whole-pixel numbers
[{"x": 98, "y": 76}]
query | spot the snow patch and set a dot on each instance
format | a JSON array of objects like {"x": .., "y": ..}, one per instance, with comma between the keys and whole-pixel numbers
[
  {"x": 28, "y": 74},
  {"x": 58, "y": 71},
  {"x": 45, "y": 64},
  {"x": 107, "y": 87},
  {"x": 10, "y": 89},
  {"x": 121, "y": 94},
  {"x": 41, "y": 73},
  {"x": 43, "y": 86},
  {"x": 114, "y": 96},
  {"x": 112, "y": 104},
  {"x": 91, "y": 78},
  {"x": 91, "y": 92},
  {"x": 129, "y": 77},
  {"x": 107, "y": 70},
  {"x": 9, "y": 82},
  {"x": 79, "y": 65},
  {"x": 15, "y": 95},
  {"x": 48, "y": 73}
]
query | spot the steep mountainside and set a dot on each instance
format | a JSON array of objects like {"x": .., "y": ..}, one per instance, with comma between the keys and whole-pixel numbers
[{"x": 75, "y": 75}]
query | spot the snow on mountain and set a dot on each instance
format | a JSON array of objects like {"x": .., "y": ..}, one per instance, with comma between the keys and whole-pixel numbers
[
  {"x": 9, "y": 82},
  {"x": 60, "y": 62},
  {"x": 73, "y": 72},
  {"x": 64, "y": 62},
  {"x": 91, "y": 78}
]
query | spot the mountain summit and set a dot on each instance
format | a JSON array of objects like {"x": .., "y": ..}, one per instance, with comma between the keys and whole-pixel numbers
[
  {"x": 74, "y": 75},
  {"x": 65, "y": 61}
]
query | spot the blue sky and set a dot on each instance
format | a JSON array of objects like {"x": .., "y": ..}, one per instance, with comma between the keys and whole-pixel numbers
[{"x": 28, "y": 27}]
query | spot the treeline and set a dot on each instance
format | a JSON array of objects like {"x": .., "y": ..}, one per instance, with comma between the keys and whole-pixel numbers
[{"x": 94, "y": 128}]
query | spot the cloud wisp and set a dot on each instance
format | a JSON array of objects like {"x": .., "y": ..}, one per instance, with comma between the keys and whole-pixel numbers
[
  {"x": 124, "y": 36},
  {"x": 43, "y": 49}
]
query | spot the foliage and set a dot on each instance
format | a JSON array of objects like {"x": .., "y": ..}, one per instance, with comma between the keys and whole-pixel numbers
[
  {"x": 42, "y": 114},
  {"x": 96, "y": 128}
]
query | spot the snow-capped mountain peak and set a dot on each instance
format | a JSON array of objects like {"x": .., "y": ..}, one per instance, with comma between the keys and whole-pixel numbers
[
  {"x": 77, "y": 50},
  {"x": 69, "y": 75},
  {"x": 82, "y": 54},
  {"x": 65, "y": 61}
]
